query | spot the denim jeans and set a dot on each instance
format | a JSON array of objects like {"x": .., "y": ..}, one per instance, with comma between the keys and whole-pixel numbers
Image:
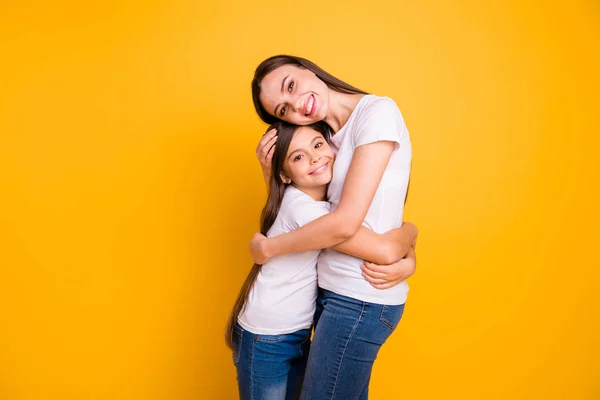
[
  {"x": 270, "y": 367},
  {"x": 348, "y": 336}
]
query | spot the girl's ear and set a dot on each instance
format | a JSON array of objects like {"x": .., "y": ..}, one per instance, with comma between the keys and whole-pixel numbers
[{"x": 284, "y": 178}]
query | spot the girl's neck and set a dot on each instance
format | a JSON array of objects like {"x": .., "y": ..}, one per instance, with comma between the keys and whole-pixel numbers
[
  {"x": 318, "y": 193},
  {"x": 341, "y": 106}
]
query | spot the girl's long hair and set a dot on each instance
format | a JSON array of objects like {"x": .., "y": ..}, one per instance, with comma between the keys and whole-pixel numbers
[
  {"x": 285, "y": 133},
  {"x": 272, "y": 63}
]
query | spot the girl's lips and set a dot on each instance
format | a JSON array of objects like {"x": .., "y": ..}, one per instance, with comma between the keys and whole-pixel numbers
[{"x": 320, "y": 170}]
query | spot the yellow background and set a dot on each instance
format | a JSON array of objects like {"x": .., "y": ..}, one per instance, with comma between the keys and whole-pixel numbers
[{"x": 129, "y": 190}]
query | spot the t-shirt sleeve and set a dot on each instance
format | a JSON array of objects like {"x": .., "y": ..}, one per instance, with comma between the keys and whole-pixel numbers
[
  {"x": 303, "y": 212},
  {"x": 381, "y": 120}
]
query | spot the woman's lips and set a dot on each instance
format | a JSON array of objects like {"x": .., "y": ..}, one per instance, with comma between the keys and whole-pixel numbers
[{"x": 311, "y": 106}]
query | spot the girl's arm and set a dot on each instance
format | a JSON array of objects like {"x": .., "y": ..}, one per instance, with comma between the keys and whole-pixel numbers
[
  {"x": 364, "y": 175},
  {"x": 384, "y": 249}
]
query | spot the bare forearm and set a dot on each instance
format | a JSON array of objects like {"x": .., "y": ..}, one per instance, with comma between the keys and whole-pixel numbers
[
  {"x": 370, "y": 246},
  {"x": 324, "y": 232},
  {"x": 405, "y": 238}
]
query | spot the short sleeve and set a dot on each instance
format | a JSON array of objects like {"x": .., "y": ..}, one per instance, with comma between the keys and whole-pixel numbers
[
  {"x": 303, "y": 212},
  {"x": 380, "y": 120}
]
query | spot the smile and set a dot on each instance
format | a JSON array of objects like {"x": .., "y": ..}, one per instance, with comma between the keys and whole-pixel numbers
[
  {"x": 320, "y": 170},
  {"x": 309, "y": 105}
]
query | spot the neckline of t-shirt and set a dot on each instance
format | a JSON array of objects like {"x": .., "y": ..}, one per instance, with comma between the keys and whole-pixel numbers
[
  {"x": 352, "y": 115},
  {"x": 298, "y": 190}
]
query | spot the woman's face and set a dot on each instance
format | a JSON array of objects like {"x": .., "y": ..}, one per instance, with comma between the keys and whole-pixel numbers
[
  {"x": 295, "y": 95},
  {"x": 309, "y": 160}
]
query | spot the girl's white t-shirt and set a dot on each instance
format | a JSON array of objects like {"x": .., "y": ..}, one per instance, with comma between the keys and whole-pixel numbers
[
  {"x": 374, "y": 119},
  {"x": 282, "y": 299}
]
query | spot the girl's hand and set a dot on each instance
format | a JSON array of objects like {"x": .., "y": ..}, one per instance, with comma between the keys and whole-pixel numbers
[
  {"x": 257, "y": 249},
  {"x": 386, "y": 276},
  {"x": 265, "y": 149}
]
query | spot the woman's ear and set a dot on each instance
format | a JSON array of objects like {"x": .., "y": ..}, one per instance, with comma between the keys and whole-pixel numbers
[{"x": 285, "y": 178}]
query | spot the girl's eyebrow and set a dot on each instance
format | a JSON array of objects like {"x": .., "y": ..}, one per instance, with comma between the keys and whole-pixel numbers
[
  {"x": 282, "y": 86},
  {"x": 311, "y": 142}
]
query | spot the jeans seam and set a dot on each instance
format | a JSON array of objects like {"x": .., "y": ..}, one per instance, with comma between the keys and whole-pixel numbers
[
  {"x": 252, "y": 372},
  {"x": 276, "y": 339},
  {"x": 337, "y": 374},
  {"x": 302, "y": 343},
  {"x": 383, "y": 320}
]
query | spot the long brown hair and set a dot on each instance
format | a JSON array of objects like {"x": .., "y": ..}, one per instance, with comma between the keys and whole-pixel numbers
[
  {"x": 285, "y": 134},
  {"x": 272, "y": 63}
]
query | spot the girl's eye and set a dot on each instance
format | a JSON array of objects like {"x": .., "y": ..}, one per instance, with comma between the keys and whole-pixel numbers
[
  {"x": 282, "y": 111},
  {"x": 290, "y": 86},
  {"x": 318, "y": 145},
  {"x": 297, "y": 157}
]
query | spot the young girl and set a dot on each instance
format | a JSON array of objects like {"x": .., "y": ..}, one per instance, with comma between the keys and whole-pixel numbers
[
  {"x": 269, "y": 328},
  {"x": 359, "y": 305}
]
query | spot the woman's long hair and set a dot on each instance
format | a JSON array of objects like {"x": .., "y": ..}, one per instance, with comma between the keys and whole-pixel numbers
[
  {"x": 272, "y": 63},
  {"x": 285, "y": 134}
]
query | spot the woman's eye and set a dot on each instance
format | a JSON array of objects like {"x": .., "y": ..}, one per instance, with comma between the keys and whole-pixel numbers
[
  {"x": 282, "y": 111},
  {"x": 290, "y": 86},
  {"x": 318, "y": 145}
]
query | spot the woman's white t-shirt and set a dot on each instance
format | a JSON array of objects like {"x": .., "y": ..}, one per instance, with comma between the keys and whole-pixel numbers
[
  {"x": 282, "y": 299},
  {"x": 374, "y": 119}
]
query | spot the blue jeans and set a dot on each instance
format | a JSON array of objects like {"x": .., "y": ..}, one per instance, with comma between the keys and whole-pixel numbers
[
  {"x": 270, "y": 367},
  {"x": 348, "y": 336}
]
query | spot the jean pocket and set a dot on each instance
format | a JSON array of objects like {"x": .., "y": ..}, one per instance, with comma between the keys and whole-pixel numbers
[
  {"x": 391, "y": 315},
  {"x": 237, "y": 344},
  {"x": 268, "y": 338}
]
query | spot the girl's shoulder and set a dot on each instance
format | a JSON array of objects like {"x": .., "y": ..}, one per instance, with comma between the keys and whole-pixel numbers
[{"x": 298, "y": 208}]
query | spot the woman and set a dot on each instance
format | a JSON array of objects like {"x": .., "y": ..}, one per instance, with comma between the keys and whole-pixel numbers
[
  {"x": 269, "y": 327},
  {"x": 359, "y": 304}
]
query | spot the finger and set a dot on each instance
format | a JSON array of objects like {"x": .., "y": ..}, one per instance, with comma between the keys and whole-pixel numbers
[
  {"x": 268, "y": 146},
  {"x": 270, "y": 154},
  {"x": 270, "y": 133},
  {"x": 382, "y": 269},
  {"x": 266, "y": 137},
  {"x": 384, "y": 286},
  {"x": 371, "y": 273},
  {"x": 374, "y": 281}
]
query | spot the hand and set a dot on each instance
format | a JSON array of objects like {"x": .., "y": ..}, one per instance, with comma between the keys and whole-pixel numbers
[
  {"x": 257, "y": 245},
  {"x": 386, "y": 276},
  {"x": 265, "y": 149}
]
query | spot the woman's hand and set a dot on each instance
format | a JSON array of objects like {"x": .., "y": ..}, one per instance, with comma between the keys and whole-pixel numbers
[
  {"x": 257, "y": 249},
  {"x": 264, "y": 151},
  {"x": 386, "y": 276}
]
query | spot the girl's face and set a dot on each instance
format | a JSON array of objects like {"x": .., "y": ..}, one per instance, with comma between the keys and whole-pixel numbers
[
  {"x": 308, "y": 163},
  {"x": 295, "y": 95}
]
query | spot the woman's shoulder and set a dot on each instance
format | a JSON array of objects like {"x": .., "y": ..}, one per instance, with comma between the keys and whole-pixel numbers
[{"x": 374, "y": 103}]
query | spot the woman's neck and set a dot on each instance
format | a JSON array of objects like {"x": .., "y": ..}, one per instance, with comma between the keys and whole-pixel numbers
[
  {"x": 318, "y": 193},
  {"x": 341, "y": 106}
]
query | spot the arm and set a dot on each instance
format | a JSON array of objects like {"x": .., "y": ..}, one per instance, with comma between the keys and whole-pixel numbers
[
  {"x": 384, "y": 249},
  {"x": 364, "y": 175},
  {"x": 385, "y": 276}
]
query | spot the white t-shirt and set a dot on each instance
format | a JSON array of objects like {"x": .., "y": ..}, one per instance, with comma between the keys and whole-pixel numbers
[
  {"x": 282, "y": 299},
  {"x": 374, "y": 119}
]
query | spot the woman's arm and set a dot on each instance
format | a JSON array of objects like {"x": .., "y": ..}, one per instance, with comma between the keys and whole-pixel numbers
[
  {"x": 364, "y": 175},
  {"x": 386, "y": 276},
  {"x": 383, "y": 249},
  {"x": 264, "y": 152}
]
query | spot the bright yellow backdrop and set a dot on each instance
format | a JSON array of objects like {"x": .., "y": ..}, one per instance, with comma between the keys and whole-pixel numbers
[{"x": 129, "y": 190}]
